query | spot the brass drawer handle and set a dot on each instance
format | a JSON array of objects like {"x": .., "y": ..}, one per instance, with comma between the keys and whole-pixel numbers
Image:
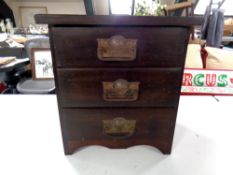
[
  {"x": 117, "y": 48},
  {"x": 119, "y": 127},
  {"x": 120, "y": 90}
]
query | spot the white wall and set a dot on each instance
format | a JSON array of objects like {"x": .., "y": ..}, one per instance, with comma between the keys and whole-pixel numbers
[
  {"x": 101, "y": 7},
  {"x": 63, "y": 6},
  {"x": 75, "y": 7}
]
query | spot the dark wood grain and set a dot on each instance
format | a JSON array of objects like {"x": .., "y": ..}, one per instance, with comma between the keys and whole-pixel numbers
[
  {"x": 117, "y": 20},
  {"x": 79, "y": 74},
  {"x": 153, "y": 126},
  {"x": 158, "y": 87},
  {"x": 78, "y": 46}
]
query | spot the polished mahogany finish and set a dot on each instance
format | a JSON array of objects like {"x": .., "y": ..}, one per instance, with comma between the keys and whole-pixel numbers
[{"x": 118, "y": 78}]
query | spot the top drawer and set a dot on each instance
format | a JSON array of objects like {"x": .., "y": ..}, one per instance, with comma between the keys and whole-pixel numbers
[{"x": 151, "y": 47}]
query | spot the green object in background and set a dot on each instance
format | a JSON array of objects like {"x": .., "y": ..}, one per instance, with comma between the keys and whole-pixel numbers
[
  {"x": 153, "y": 9},
  {"x": 89, "y": 7}
]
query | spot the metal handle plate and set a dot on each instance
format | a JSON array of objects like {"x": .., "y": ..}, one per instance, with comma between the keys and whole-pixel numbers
[
  {"x": 117, "y": 48},
  {"x": 120, "y": 90},
  {"x": 119, "y": 127}
]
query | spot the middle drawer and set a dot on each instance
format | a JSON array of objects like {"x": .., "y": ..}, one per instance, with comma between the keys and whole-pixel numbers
[{"x": 148, "y": 87}]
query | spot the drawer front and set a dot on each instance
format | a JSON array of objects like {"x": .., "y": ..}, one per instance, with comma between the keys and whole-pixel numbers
[
  {"x": 102, "y": 46},
  {"x": 106, "y": 87},
  {"x": 122, "y": 124}
]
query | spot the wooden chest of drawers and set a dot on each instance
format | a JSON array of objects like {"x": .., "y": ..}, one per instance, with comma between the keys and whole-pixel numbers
[{"x": 118, "y": 78}]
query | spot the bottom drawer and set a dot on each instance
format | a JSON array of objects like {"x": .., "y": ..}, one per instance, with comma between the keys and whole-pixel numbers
[{"x": 116, "y": 128}]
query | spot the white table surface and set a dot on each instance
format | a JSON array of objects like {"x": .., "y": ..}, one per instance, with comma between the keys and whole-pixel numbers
[{"x": 30, "y": 142}]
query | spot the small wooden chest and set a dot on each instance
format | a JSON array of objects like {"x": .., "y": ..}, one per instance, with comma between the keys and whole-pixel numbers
[{"x": 118, "y": 78}]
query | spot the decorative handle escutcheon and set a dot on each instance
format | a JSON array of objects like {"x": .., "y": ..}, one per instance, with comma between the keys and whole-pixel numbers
[
  {"x": 120, "y": 90},
  {"x": 119, "y": 127},
  {"x": 117, "y": 48}
]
